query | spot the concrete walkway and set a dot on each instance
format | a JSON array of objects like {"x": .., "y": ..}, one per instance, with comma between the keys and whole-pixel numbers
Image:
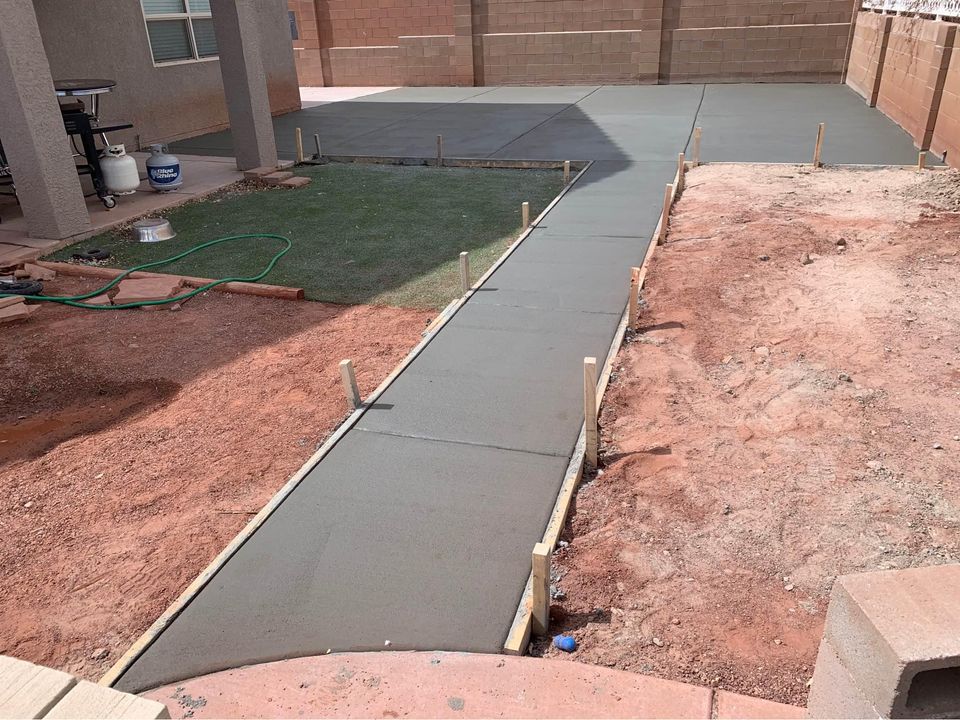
[{"x": 417, "y": 528}]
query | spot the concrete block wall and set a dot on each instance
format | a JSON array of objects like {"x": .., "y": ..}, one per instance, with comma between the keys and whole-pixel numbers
[
  {"x": 771, "y": 53},
  {"x": 867, "y": 53},
  {"x": 946, "y": 130},
  {"x": 909, "y": 67},
  {"x": 891, "y": 646},
  {"x": 486, "y": 42},
  {"x": 914, "y": 72},
  {"x": 548, "y": 58}
]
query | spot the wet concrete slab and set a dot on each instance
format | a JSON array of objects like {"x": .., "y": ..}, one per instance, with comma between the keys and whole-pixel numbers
[
  {"x": 388, "y": 539},
  {"x": 504, "y": 377},
  {"x": 778, "y": 123},
  {"x": 417, "y": 528}
]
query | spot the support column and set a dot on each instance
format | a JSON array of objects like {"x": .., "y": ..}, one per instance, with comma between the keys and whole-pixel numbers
[
  {"x": 31, "y": 129},
  {"x": 236, "y": 24},
  {"x": 463, "y": 60}
]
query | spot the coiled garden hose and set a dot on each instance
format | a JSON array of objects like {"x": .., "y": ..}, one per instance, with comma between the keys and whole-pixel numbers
[{"x": 75, "y": 300}]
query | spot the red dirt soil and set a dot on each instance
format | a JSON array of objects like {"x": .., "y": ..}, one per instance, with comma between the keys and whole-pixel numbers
[
  {"x": 134, "y": 445},
  {"x": 772, "y": 425}
]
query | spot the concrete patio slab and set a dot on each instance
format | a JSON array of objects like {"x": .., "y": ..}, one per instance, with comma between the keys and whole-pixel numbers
[
  {"x": 426, "y": 542},
  {"x": 202, "y": 175},
  {"x": 435, "y": 685}
]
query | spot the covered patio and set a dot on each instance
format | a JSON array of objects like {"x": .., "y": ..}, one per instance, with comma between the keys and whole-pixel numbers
[{"x": 49, "y": 206}]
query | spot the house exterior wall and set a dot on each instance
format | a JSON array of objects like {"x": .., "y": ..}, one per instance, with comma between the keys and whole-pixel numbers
[
  {"x": 97, "y": 39},
  {"x": 570, "y": 41}
]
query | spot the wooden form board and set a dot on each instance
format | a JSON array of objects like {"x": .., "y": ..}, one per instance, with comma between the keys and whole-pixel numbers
[
  {"x": 240, "y": 288},
  {"x": 522, "y": 627}
]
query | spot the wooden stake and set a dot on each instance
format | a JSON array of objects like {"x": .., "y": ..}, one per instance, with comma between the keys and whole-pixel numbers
[
  {"x": 681, "y": 169},
  {"x": 439, "y": 150},
  {"x": 921, "y": 160},
  {"x": 590, "y": 410},
  {"x": 818, "y": 148},
  {"x": 525, "y": 215},
  {"x": 695, "y": 159},
  {"x": 464, "y": 272},
  {"x": 316, "y": 141},
  {"x": 665, "y": 213},
  {"x": 634, "y": 297},
  {"x": 541, "y": 589},
  {"x": 566, "y": 172},
  {"x": 299, "y": 136},
  {"x": 350, "y": 386}
]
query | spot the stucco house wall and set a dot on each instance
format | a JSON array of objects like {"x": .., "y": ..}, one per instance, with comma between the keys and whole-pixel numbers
[{"x": 98, "y": 39}]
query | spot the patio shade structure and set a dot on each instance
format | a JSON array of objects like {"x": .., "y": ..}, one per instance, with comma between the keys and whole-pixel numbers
[{"x": 31, "y": 126}]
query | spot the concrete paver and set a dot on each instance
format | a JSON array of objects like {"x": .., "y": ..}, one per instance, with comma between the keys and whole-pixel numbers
[
  {"x": 417, "y": 527},
  {"x": 437, "y": 685}
]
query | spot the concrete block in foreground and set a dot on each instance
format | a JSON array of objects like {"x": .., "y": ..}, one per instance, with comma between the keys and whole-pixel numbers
[{"x": 891, "y": 646}]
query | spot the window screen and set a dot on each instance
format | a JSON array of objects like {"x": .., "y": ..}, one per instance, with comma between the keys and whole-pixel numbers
[
  {"x": 179, "y": 30},
  {"x": 169, "y": 40}
]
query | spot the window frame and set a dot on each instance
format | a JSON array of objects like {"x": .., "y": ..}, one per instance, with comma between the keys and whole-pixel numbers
[{"x": 187, "y": 16}]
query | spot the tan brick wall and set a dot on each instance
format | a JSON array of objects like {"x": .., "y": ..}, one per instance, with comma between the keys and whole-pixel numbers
[
  {"x": 428, "y": 60},
  {"x": 772, "y": 53},
  {"x": 538, "y": 16},
  {"x": 746, "y": 13},
  {"x": 619, "y": 56},
  {"x": 359, "y": 66},
  {"x": 914, "y": 74},
  {"x": 867, "y": 53},
  {"x": 946, "y": 132},
  {"x": 487, "y": 42}
]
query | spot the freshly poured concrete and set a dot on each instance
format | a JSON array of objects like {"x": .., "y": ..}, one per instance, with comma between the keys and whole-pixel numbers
[{"x": 417, "y": 528}]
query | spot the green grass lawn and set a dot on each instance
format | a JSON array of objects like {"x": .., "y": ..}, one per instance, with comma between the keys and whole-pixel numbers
[{"x": 361, "y": 233}]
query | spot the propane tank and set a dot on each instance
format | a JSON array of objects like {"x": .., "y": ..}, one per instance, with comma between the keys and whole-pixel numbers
[
  {"x": 163, "y": 169},
  {"x": 119, "y": 171}
]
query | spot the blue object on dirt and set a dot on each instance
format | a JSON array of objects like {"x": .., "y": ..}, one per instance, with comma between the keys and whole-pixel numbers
[{"x": 565, "y": 642}]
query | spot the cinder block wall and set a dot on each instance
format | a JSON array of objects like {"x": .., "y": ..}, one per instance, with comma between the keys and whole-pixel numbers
[
  {"x": 489, "y": 42},
  {"x": 867, "y": 54},
  {"x": 946, "y": 131},
  {"x": 909, "y": 67},
  {"x": 914, "y": 71}
]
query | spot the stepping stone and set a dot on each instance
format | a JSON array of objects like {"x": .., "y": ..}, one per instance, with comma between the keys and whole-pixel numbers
[
  {"x": 159, "y": 288},
  {"x": 17, "y": 311},
  {"x": 285, "y": 164},
  {"x": 35, "y": 272},
  {"x": 98, "y": 300},
  {"x": 275, "y": 178},
  {"x": 258, "y": 172},
  {"x": 295, "y": 182}
]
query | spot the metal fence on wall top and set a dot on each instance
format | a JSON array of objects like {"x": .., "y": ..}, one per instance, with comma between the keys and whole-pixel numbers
[{"x": 938, "y": 8}]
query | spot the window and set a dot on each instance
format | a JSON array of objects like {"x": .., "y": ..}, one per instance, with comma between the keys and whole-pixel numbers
[
  {"x": 294, "y": 33},
  {"x": 179, "y": 30}
]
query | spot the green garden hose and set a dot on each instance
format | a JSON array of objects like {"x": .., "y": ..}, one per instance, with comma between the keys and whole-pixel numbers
[{"x": 75, "y": 300}]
